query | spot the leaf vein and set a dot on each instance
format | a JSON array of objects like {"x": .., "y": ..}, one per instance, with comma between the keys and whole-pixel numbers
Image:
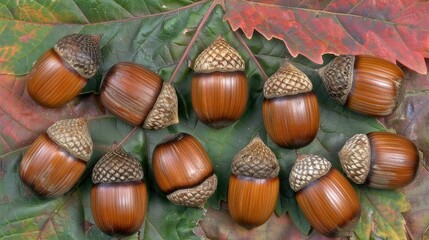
[
  {"x": 114, "y": 1},
  {"x": 336, "y": 13},
  {"x": 116, "y": 20},
  {"x": 83, "y": 14}
]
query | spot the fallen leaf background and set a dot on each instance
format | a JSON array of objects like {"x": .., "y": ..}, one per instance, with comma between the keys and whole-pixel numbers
[{"x": 166, "y": 36}]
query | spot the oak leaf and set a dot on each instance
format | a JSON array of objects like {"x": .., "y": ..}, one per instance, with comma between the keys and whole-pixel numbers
[{"x": 394, "y": 30}]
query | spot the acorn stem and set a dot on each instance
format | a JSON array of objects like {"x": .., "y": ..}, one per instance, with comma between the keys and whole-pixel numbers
[
  {"x": 97, "y": 37},
  {"x": 252, "y": 56},
  {"x": 81, "y": 121},
  {"x": 300, "y": 157},
  {"x": 130, "y": 134},
  {"x": 194, "y": 38}
]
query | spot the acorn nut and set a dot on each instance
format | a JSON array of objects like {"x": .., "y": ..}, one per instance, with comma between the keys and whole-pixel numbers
[
  {"x": 327, "y": 200},
  {"x": 380, "y": 160},
  {"x": 139, "y": 96},
  {"x": 253, "y": 185},
  {"x": 56, "y": 160},
  {"x": 119, "y": 194},
  {"x": 219, "y": 88},
  {"x": 366, "y": 84},
  {"x": 63, "y": 71},
  {"x": 290, "y": 108},
  {"x": 183, "y": 171}
]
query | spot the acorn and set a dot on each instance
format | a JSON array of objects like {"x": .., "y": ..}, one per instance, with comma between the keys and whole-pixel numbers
[
  {"x": 56, "y": 160},
  {"x": 219, "y": 88},
  {"x": 63, "y": 71},
  {"x": 290, "y": 108},
  {"x": 119, "y": 194},
  {"x": 183, "y": 171},
  {"x": 253, "y": 185},
  {"x": 327, "y": 200},
  {"x": 139, "y": 96},
  {"x": 366, "y": 84},
  {"x": 380, "y": 160}
]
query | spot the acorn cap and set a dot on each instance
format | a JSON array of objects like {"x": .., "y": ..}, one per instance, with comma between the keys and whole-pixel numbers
[
  {"x": 338, "y": 77},
  {"x": 255, "y": 160},
  {"x": 307, "y": 169},
  {"x": 219, "y": 56},
  {"x": 81, "y": 52},
  {"x": 355, "y": 158},
  {"x": 73, "y": 136},
  {"x": 196, "y": 196},
  {"x": 117, "y": 166},
  {"x": 165, "y": 111},
  {"x": 288, "y": 80}
]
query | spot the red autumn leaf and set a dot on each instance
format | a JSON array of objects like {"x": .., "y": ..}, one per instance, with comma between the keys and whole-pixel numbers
[{"x": 394, "y": 30}]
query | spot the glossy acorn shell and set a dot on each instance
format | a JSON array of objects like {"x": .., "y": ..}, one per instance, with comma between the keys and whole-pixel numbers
[
  {"x": 251, "y": 201},
  {"x": 292, "y": 121},
  {"x": 375, "y": 90},
  {"x": 181, "y": 162},
  {"x": 330, "y": 204},
  {"x": 183, "y": 171},
  {"x": 219, "y": 98},
  {"x": 48, "y": 169},
  {"x": 119, "y": 209},
  {"x": 394, "y": 161},
  {"x": 130, "y": 91},
  {"x": 366, "y": 84},
  {"x": 52, "y": 82}
]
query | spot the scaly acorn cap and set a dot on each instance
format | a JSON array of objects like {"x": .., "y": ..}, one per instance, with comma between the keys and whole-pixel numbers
[
  {"x": 337, "y": 77},
  {"x": 196, "y": 196},
  {"x": 288, "y": 80},
  {"x": 307, "y": 169},
  {"x": 355, "y": 158},
  {"x": 117, "y": 166},
  {"x": 219, "y": 57},
  {"x": 73, "y": 136},
  {"x": 255, "y": 160},
  {"x": 165, "y": 111},
  {"x": 81, "y": 52}
]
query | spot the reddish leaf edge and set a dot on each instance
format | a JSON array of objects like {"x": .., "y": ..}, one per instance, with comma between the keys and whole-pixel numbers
[{"x": 419, "y": 68}]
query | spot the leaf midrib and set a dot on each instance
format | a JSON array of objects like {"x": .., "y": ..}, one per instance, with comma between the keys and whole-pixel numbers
[{"x": 112, "y": 21}]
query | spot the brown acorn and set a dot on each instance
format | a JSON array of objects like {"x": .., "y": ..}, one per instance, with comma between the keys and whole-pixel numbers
[
  {"x": 326, "y": 198},
  {"x": 290, "y": 108},
  {"x": 219, "y": 88},
  {"x": 366, "y": 84},
  {"x": 183, "y": 171},
  {"x": 63, "y": 71},
  {"x": 119, "y": 194},
  {"x": 139, "y": 96},
  {"x": 253, "y": 185},
  {"x": 380, "y": 160},
  {"x": 56, "y": 160}
]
